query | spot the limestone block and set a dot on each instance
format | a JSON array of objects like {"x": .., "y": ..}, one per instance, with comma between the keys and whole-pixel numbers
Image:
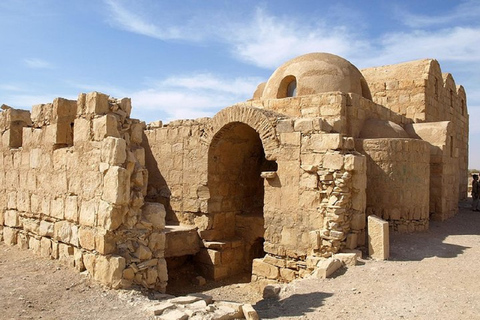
[
  {"x": 58, "y": 208},
  {"x": 209, "y": 256},
  {"x": 249, "y": 312},
  {"x": 108, "y": 270},
  {"x": 88, "y": 213},
  {"x": 59, "y": 133},
  {"x": 116, "y": 187},
  {"x": 35, "y": 158},
  {"x": 325, "y": 141},
  {"x": 352, "y": 241},
  {"x": 284, "y": 126},
  {"x": 86, "y": 237},
  {"x": 45, "y": 247},
  {"x": 34, "y": 244},
  {"x": 66, "y": 254},
  {"x": 155, "y": 214},
  {"x": 46, "y": 229},
  {"x": 287, "y": 274},
  {"x": 333, "y": 161},
  {"x": 30, "y": 225},
  {"x": 348, "y": 259},
  {"x": 303, "y": 125},
  {"x": 355, "y": 162},
  {"x": 378, "y": 238},
  {"x": 263, "y": 269},
  {"x": 274, "y": 261},
  {"x": 71, "y": 208},
  {"x": 137, "y": 132},
  {"x": 143, "y": 253},
  {"x": 65, "y": 232},
  {"x": 81, "y": 130},
  {"x": 156, "y": 241},
  {"x": 290, "y": 139},
  {"x": 97, "y": 103},
  {"x": 126, "y": 106},
  {"x": 162, "y": 270},
  {"x": 23, "y": 201},
  {"x": 12, "y": 200},
  {"x": 22, "y": 241},
  {"x": 10, "y": 236},
  {"x": 326, "y": 267},
  {"x": 105, "y": 126},
  {"x": 114, "y": 151},
  {"x": 109, "y": 217},
  {"x": 12, "y": 219},
  {"x": 2, "y": 217},
  {"x": 104, "y": 242}
]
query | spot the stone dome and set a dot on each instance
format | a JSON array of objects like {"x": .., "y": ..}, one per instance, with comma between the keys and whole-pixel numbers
[{"x": 315, "y": 73}]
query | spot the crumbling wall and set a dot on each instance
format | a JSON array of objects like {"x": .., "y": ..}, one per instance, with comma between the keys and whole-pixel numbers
[
  {"x": 398, "y": 181},
  {"x": 73, "y": 190}
]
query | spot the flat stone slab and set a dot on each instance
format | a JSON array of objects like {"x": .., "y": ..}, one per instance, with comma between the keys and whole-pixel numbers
[{"x": 181, "y": 241}]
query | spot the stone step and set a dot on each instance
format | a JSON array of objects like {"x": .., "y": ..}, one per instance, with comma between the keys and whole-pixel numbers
[{"x": 181, "y": 241}]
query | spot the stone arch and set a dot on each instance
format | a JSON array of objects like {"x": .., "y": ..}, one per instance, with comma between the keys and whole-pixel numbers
[{"x": 256, "y": 118}]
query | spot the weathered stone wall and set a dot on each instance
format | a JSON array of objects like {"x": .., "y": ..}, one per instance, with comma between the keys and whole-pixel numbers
[
  {"x": 443, "y": 167},
  {"x": 398, "y": 181},
  {"x": 73, "y": 190},
  {"x": 313, "y": 188},
  {"x": 419, "y": 91}
]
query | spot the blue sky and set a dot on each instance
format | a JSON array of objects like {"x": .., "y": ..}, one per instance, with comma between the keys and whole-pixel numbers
[{"x": 189, "y": 59}]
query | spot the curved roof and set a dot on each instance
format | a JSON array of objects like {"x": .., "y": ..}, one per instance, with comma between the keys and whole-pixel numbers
[{"x": 316, "y": 73}]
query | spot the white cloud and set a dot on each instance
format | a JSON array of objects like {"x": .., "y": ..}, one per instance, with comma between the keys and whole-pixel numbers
[
  {"x": 192, "y": 96},
  {"x": 128, "y": 20},
  {"x": 268, "y": 41},
  {"x": 465, "y": 11},
  {"x": 36, "y": 63},
  {"x": 455, "y": 44}
]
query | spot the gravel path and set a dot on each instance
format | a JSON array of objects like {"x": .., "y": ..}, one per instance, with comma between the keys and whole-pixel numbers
[{"x": 430, "y": 275}]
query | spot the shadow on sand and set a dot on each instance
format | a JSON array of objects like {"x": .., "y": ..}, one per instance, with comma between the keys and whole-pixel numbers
[
  {"x": 293, "y": 306},
  {"x": 434, "y": 242}
]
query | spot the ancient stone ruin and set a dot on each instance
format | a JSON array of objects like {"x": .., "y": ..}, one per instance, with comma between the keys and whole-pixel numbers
[{"x": 274, "y": 185}]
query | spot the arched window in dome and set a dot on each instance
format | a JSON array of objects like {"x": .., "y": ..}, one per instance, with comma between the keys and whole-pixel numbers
[
  {"x": 287, "y": 88},
  {"x": 292, "y": 89}
]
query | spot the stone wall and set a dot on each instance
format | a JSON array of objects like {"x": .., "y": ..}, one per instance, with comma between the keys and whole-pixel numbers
[
  {"x": 420, "y": 91},
  {"x": 398, "y": 181},
  {"x": 73, "y": 182},
  {"x": 310, "y": 181}
]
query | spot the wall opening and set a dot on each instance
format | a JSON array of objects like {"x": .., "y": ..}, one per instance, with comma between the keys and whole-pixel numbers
[
  {"x": 287, "y": 88},
  {"x": 235, "y": 161}
]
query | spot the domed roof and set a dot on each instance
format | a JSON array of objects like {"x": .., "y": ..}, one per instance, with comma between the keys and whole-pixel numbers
[{"x": 315, "y": 73}]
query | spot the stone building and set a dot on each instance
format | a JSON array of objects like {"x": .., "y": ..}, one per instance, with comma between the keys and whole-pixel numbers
[{"x": 272, "y": 186}]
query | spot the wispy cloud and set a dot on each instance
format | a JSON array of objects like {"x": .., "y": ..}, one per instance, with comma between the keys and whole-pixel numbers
[
  {"x": 127, "y": 19},
  {"x": 466, "y": 11},
  {"x": 458, "y": 44},
  {"x": 192, "y": 96},
  {"x": 268, "y": 41},
  {"x": 36, "y": 63}
]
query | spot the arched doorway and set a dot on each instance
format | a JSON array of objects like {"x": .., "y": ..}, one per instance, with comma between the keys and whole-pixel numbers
[{"x": 236, "y": 159}]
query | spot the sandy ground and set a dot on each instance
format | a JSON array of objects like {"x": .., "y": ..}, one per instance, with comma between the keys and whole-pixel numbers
[{"x": 430, "y": 275}]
